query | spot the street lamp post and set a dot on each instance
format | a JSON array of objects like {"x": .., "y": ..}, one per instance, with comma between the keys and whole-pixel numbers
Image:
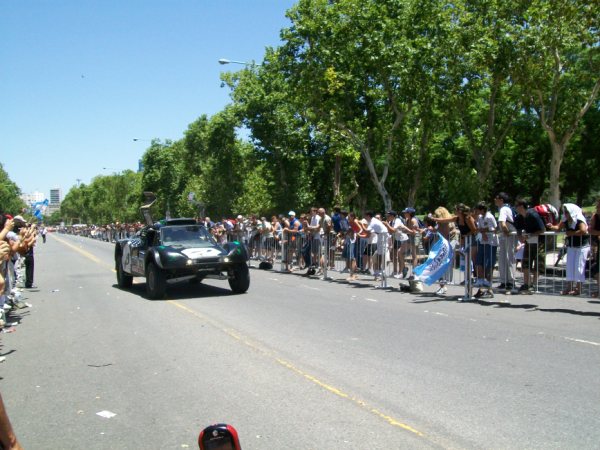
[{"x": 223, "y": 61}]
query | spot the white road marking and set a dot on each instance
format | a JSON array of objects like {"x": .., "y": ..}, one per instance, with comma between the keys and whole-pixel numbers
[{"x": 581, "y": 341}]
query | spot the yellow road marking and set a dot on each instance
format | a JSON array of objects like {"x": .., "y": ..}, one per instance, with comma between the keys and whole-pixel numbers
[
  {"x": 296, "y": 370},
  {"x": 83, "y": 252},
  {"x": 235, "y": 335}
]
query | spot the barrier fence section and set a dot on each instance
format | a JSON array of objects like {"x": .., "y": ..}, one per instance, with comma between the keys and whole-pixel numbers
[{"x": 512, "y": 264}]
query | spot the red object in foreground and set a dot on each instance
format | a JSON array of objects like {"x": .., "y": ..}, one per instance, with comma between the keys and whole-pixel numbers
[{"x": 219, "y": 437}]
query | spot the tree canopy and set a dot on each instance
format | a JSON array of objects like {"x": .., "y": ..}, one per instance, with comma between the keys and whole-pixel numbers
[{"x": 391, "y": 103}]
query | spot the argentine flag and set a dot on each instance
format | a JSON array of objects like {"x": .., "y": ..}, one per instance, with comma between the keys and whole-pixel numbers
[
  {"x": 440, "y": 256},
  {"x": 39, "y": 208}
]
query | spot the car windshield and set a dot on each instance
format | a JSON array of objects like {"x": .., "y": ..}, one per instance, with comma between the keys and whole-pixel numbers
[{"x": 186, "y": 236}]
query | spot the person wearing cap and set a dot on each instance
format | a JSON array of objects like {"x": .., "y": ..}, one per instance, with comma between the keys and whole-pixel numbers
[{"x": 396, "y": 227}]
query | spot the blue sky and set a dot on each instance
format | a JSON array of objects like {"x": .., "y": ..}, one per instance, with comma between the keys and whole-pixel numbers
[{"x": 79, "y": 80}]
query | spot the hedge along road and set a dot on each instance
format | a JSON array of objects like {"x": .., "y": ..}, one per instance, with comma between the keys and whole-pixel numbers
[{"x": 294, "y": 363}]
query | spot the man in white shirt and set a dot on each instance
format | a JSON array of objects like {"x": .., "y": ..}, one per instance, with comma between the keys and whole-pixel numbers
[
  {"x": 506, "y": 243},
  {"x": 314, "y": 236},
  {"x": 378, "y": 231}
]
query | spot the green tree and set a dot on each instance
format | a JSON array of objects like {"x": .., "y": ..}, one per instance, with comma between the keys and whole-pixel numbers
[
  {"x": 560, "y": 62},
  {"x": 362, "y": 68},
  {"x": 163, "y": 173},
  {"x": 75, "y": 208},
  {"x": 10, "y": 200},
  {"x": 488, "y": 99},
  {"x": 289, "y": 147}
]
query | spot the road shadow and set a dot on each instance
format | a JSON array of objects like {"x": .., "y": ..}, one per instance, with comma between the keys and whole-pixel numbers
[
  {"x": 570, "y": 311},
  {"x": 181, "y": 291}
]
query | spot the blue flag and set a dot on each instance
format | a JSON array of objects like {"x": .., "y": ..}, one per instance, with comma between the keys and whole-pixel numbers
[
  {"x": 440, "y": 256},
  {"x": 39, "y": 208}
]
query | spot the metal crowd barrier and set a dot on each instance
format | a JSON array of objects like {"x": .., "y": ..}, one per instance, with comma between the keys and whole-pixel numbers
[{"x": 502, "y": 266}]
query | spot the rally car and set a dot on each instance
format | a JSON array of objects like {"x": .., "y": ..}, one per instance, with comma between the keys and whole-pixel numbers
[{"x": 176, "y": 250}]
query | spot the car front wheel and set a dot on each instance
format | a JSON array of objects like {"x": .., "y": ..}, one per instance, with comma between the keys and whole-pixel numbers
[
  {"x": 124, "y": 280},
  {"x": 156, "y": 282},
  {"x": 239, "y": 279}
]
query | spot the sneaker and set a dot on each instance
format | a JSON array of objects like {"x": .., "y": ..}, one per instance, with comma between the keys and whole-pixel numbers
[
  {"x": 346, "y": 270},
  {"x": 526, "y": 289},
  {"x": 33, "y": 286},
  {"x": 20, "y": 305},
  {"x": 441, "y": 291},
  {"x": 396, "y": 275},
  {"x": 404, "y": 272},
  {"x": 501, "y": 286},
  {"x": 487, "y": 294},
  {"x": 478, "y": 294}
]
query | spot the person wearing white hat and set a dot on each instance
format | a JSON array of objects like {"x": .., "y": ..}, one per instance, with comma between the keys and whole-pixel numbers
[{"x": 578, "y": 246}]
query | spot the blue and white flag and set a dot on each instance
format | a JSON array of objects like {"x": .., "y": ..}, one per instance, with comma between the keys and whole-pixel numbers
[
  {"x": 440, "y": 256},
  {"x": 39, "y": 208}
]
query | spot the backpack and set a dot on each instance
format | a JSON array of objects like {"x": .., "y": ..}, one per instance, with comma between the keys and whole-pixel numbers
[{"x": 548, "y": 213}]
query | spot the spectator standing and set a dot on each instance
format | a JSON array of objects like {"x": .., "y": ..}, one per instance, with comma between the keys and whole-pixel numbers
[
  {"x": 578, "y": 246},
  {"x": 487, "y": 244},
  {"x": 313, "y": 228},
  {"x": 329, "y": 239},
  {"x": 594, "y": 231},
  {"x": 292, "y": 227},
  {"x": 351, "y": 245},
  {"x": 506, "y": 243},
  {"x": 530, "y": 228},
  {"x": 378, "y": 231},
  {"x": 447, "y": 229},
  {"x": 399, "y": 232},
  {"x": 414, "y": 229}
]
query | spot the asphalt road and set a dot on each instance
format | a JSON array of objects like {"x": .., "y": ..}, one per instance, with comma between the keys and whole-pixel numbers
[{"x": 296, "y": 363}]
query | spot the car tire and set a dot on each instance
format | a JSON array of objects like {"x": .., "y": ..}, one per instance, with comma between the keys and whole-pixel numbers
[
  {"x": 156, "y": 282},
  {"x": 239, "y": 279},
  {"x": 124, "y": 280}
]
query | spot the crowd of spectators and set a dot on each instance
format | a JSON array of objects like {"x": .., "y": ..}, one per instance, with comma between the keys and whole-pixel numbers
[
  {"x": 484, "y": 239},
  {"x": 17, "y": 242}
]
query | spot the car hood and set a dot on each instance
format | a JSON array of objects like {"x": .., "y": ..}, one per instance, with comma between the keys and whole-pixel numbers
[{"x": 209, "y": 252}]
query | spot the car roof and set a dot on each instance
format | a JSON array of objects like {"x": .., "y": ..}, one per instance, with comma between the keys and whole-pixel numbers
[{"x": 181, "y": 221}]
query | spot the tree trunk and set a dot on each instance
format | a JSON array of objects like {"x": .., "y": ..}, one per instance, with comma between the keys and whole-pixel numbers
[
  {"x": 558, "y": 151},
  {"x": 337, "y": 177}
]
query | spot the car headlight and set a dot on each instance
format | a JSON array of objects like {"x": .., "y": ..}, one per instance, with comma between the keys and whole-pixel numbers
[{"x": 189, "y": 262}]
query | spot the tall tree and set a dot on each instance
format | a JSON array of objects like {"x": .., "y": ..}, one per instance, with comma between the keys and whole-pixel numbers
[
  {"x": 163, "y": 169},
  {"x": 488, "y": 99},
  {"x": 561, "y": 71},
  {"x": 362, "y": 66}
]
